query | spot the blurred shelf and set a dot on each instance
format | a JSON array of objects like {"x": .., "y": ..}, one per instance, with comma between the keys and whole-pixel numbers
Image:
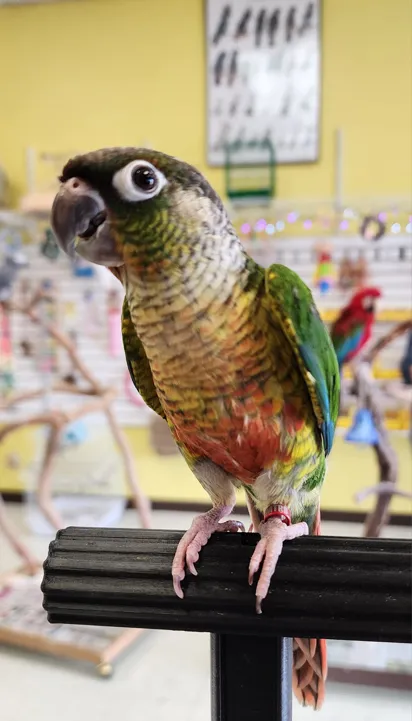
[
  {"x": 394, "y": 421},
  {"x": 387, "y": 374},
  {"x": 394, "y": 315}
]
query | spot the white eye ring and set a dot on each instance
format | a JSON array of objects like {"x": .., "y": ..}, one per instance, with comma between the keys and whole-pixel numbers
[{"x": 125, "y": 184}]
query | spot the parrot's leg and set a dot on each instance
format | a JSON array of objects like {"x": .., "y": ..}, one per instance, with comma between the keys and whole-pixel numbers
[
  {"x": 220, "y": 488},
  {"x": 274, "y": 531},
  {"x": 255, "y": 516}
]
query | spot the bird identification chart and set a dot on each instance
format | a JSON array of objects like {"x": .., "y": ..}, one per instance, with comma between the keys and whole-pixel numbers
[{"x": 263, "y": 79}]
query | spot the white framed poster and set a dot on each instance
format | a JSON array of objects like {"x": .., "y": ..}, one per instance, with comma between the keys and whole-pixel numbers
[{"x": 263, "y": 79}]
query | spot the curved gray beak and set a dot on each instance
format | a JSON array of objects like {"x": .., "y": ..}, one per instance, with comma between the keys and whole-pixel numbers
[{"x": 80, "y": 223}]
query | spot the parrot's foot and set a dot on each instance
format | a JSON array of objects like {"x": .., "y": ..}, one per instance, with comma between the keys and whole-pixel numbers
[
  {"x": 273, "y": 532},
  {"x": 187, "y": 552}
]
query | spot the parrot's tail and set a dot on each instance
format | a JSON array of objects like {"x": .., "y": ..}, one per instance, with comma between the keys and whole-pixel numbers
[
  {"x": 309, "y": 671},
  {"x": 310, "y": 664}
]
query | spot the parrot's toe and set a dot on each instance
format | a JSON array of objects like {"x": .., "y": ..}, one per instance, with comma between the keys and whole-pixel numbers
[
  {"x": 230, "y": 527},
  {"x": 190, "y": 545},
  {"x": 273, "y": 532}
]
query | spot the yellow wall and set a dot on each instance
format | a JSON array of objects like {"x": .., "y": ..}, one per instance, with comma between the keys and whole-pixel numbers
[
  {"x": 168, "y": 478},
  {"x": 78, "y": 75}
]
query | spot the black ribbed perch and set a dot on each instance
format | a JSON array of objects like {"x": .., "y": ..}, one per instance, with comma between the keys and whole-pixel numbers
[
  {"x": 344, "y": 588},
  {"x": 323, "y": 587}
]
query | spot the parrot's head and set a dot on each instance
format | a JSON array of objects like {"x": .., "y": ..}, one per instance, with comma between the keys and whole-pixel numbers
[
  {"x": 365, "y": 300},
  {"x": 136, "y": 208}
]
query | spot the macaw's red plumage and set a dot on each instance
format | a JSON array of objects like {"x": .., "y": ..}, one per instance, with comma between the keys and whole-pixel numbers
[{"x": 353, "y": 327}]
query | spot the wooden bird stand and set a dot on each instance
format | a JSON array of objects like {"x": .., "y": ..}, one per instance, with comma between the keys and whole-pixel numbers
[
  {"x": 97, "y": 398},
  {"x": 22, "y": 619},
  {"x": 23, "y": 623},
  {"x": 369, "y": 397}
]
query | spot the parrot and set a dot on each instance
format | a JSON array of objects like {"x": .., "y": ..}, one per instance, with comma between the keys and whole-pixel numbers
[
  {"x": 233, "y": 356},
  {"x": 353, "y": 327}
]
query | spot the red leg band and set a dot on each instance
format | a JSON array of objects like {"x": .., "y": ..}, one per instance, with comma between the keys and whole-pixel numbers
[{"x": 281, "y": 512}]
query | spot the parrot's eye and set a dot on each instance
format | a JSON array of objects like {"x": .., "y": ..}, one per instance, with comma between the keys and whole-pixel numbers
[
  {"x": 139, "y": 180},
  {"x": 144, "y": 178}
]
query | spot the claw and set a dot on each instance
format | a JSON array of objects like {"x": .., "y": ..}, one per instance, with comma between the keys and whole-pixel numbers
[
  {"x": 191, "y": 566},
  {"x": 177, "y": 581}
]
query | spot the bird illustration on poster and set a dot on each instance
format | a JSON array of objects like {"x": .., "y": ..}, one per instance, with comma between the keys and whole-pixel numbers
[{"x": 263, "y": 75}]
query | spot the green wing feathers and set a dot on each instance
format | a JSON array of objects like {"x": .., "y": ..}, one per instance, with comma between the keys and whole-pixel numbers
[
  {"x": 137, "y": 363},
  {"x": 291, "y": 302}
]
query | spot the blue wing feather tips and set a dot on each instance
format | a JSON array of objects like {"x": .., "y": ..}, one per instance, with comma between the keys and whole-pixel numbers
[
  {"x": 327, "y": 428},
  {"x": 349, "y": 345}
]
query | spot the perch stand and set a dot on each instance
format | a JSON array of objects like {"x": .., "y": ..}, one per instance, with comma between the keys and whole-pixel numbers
[
  {"x": 369, "y": 397},
  {"x": 16, "y": 617},
  {"x": 31, "y": 564},
  {"x": 344, "y": 588},
  {"x": 100, "y": 400}
]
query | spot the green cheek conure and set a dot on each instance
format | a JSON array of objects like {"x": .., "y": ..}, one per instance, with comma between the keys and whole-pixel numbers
[{"x": 234, "y": 357}]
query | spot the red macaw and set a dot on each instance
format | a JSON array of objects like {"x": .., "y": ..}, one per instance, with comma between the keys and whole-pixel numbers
[{"x": 353, "y": 327}]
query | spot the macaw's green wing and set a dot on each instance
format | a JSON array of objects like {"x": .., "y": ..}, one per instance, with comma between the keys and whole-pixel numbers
[
  {"x": 138, "y": 364},
  {"x": 291, "y": 303}
]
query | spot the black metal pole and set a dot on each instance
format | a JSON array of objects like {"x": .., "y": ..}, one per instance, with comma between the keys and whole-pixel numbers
[{"x": 251, "y": 678}]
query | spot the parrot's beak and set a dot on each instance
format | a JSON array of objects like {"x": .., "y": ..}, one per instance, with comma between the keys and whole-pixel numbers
[{"x": 80, "y": 223}]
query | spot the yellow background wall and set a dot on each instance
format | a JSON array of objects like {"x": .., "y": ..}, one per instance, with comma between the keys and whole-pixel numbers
[
  {"x": 168, "y": 478},
  {"x": 84, "y": 74},
  {"x": 79, "y": 75}
]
